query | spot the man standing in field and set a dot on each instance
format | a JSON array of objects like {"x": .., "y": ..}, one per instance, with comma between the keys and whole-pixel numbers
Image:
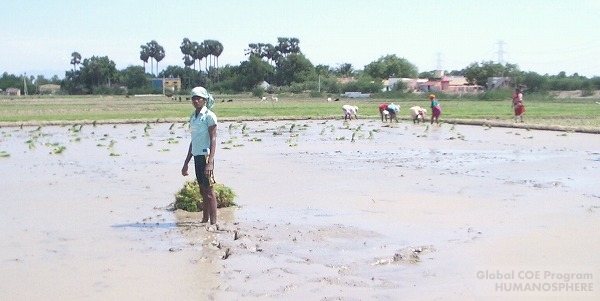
[{"x": 203, "y": 124}]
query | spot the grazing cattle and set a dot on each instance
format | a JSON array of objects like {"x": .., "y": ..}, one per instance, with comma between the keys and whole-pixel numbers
[
  {"x": 417, "y": 114},
  {"x": 349, "y": 111},
  {"x": 230, "y": 100},
  {"x": 337, "y": 99},
  {"x": 328, "y": 98},
  {"x": 274, "y": 98},
  {"x": 263, "y": 98}
]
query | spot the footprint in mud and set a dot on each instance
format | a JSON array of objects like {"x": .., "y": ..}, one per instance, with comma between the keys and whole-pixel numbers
[{"x": 407, "y": 255}]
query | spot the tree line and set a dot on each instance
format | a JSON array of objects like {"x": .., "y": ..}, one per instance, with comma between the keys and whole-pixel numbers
[{"x": 281, "y": 65}]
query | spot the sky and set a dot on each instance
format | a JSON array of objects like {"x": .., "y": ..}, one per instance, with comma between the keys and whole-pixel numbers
[{"x": 542, "y": 36}]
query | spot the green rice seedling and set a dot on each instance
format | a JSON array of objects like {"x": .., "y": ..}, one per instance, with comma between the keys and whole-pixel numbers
[
  {"x": 171, "y": 127},
  {"x": 322, "y": 132},
  {"x": 292, "y": 127},
  {"x": 188, "y": 198},
  {"x": 58, "y": 149},
  {"x": 238, "y": 145},
  {"x": 163, "y": 150},
  {"x": 114, "y": 154},
  {"x": 371, "y": 136},
  {"x": 150, "y": 144},
  {"x": 94, "y": 123},
  {"x": 4, "y": 154},
  {"x": 255, "y": 139}
]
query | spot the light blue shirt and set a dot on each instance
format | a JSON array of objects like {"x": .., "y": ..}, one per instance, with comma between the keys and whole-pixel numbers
[{"x": 199, "y": 126}]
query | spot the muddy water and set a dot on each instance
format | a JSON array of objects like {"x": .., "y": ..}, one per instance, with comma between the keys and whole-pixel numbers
[{"x": 327, "y": 209}]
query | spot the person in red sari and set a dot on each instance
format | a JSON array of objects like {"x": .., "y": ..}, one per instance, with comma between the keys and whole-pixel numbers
[
  {"x": 383, "y": 111},
  {"x": 518, "y": 105}
]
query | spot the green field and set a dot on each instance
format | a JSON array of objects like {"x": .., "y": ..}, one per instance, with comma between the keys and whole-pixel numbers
[{"x": 572, "y": 113}]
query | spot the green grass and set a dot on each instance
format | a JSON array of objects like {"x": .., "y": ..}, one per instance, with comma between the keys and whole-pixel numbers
[{"x": 36, "y": 109}]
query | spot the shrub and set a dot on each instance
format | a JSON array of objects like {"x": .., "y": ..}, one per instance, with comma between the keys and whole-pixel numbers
[
  {"x": 190, "y": 199},
  {"x": 258, "y": 92}
]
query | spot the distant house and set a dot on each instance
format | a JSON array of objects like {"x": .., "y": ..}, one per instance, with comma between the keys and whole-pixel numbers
[
  {"x": 448, "y": 84},
  {"x": 264, "y": 85},
  {"x": 458, "y": 84},
  {"x": 48, "y": 89},
  {"x": 430, "y": 85},
  {"x": 499, "y": 83},
  {"x": 13, "y": 91},
  {"x": 356, "y": 95},
  {"x": 167, "y": 83}
]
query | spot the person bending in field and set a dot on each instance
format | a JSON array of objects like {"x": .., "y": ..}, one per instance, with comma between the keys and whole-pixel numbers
[
  {"x": 349, "y": 111},
  {"x": 393, "y": 110},
  {"x": 383, "y": 112}
]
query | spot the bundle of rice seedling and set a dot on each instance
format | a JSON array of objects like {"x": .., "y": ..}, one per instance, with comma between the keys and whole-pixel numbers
[{"x": 190, "y": 199}]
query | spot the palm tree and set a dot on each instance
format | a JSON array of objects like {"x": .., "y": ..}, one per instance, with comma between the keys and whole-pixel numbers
[
  {"x": 203, "y": 53},
  {"x": 154, "y": 51},
  {"x": 186, "y": 49},
  {"x": 283, "y": 46},
  {"x": 270, "y": 52},
  {"x": 159, "y": 56},
  {"x": 294, "y": 45},
  {"x": 144, "y": 55},
  {"x": 217, "y": 53},
  {"x": 75, "y": 59},
  {"x": 196, "y": 53}
]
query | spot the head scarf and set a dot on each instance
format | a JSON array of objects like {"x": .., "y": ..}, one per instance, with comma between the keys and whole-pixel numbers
[{"x": 202, "y": 92}]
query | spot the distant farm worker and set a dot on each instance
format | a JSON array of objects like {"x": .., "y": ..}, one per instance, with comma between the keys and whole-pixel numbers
[
  {"x": 517, "y": 104},
  {"x": 417, "y": 114},
  {"x": 349, "y": 111},
  {"x": 383, "y": 111},
  {"x": 436, "y": 108},
  {"x": 393, "y": 110},
  {"x": 203, "y": 125}
]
